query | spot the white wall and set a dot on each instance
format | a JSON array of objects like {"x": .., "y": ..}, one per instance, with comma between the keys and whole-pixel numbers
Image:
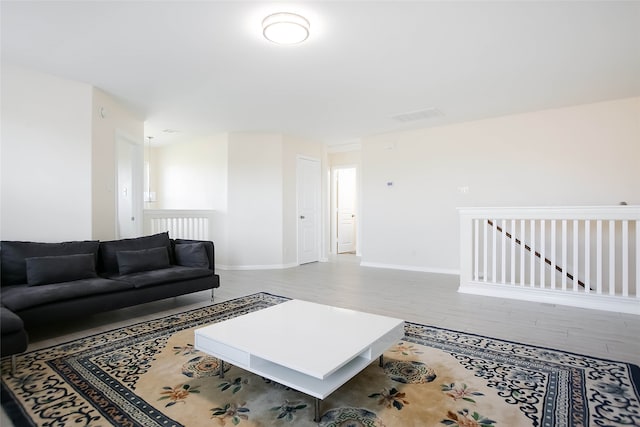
[
  {"x": 254, "y": 215},
  {"x": 581, "y": 155},
  {"x": 191, "y": 175},
  {"x": 46, "y": 157}
]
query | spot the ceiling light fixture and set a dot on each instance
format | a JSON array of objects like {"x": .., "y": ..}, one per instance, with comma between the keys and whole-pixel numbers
[{"x": 285, "y": 28}]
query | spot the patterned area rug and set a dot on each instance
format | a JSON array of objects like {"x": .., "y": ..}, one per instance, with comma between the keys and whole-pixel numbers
[{"x": 149, "y": 374}]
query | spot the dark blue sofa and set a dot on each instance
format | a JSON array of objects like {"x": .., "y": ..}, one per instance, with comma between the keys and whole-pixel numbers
[{"x": 48, "y": 282}]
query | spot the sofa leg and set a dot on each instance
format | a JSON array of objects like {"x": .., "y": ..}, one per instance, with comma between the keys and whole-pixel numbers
[{"x": 212, "y": 289}]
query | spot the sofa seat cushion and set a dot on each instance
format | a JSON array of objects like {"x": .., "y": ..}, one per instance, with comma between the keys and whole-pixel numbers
[
  {"x": 9, "y": 321},
  {"x": 21, "y": 297},
  {"x": 175, "y": 273},
  {"x": 14, "y": 336}
]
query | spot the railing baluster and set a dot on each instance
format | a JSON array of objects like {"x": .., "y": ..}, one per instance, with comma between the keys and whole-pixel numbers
[
  {"x": 522, "y": 262},
  {"x": 503, "y": 270},
  {"x": 532, "y": 254},
  {"x": 513, "y": 252},
  {"x": 543, "y": 275},
  {"x": 565, "y": 244},
  {"x": 612, "y": 257},
  {"x": 576, "y": 251},
  {"x": 485, "y": 252},
  {"x": 637, "y": 259},
  {"x": 587, "y": 256},
  {"x": 625, "y": 258},
  {"x": 599, "y": 257},
  {"x": 476, "y": 244},
  {"x": 494, "y": 247},
  {"x": 553, "y": 254}
]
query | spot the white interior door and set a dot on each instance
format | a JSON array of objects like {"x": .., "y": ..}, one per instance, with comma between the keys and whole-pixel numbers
[
  {"x": 308, "y": 194},
  {"x": 129, "y": 181},
  {"x": 346, "y": 210}
]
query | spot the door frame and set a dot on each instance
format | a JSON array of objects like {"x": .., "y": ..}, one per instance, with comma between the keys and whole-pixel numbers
[{"x": 318, "y": 225}]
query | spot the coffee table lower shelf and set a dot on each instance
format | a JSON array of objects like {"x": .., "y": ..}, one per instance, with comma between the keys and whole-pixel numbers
[
  {"x": 338, "y": 379},
  {"x": 319, "y": 388}
]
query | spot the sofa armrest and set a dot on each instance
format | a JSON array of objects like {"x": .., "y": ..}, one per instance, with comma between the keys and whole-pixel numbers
[{"x": 208, "y": 245}]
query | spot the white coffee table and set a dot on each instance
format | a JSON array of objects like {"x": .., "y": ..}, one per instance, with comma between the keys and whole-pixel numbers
[{"x": 309, "y": 347}]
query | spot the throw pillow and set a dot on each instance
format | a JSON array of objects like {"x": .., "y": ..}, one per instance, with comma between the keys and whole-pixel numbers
[
  {"x": 56, "y": 269},
  {"x": 142, "y": 260},
  {"x": 108, "y": 260},
  {"x": 192, "y": 255}
]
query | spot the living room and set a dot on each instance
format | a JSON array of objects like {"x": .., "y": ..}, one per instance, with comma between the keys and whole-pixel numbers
[{"x": 573, "y": 140}]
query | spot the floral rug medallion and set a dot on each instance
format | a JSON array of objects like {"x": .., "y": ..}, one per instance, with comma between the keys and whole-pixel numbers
[{"x": 149, "y": 374}]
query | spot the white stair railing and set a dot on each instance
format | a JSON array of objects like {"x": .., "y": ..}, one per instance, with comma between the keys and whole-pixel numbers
[
  {"x": 181, "y": 224},
  {"x": 581, "y": 256}
]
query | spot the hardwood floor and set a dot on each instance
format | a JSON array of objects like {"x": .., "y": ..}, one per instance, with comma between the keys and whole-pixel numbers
[{"x": 413, "y": 296}]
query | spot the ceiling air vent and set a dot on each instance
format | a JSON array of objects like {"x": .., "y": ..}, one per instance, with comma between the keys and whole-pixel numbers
[{"x": 428, "y": 113}]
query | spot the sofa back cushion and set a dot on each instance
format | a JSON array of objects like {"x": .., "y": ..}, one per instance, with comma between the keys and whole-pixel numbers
[
  {"x": 57, "y": 269},
  {"x": 142, "y": 260},
  {"x": 13, "y": 256},
  {"x": 209, "y": 250},
  {"x": 108, "y": 255},
  {"x": 192, "y": 255}
]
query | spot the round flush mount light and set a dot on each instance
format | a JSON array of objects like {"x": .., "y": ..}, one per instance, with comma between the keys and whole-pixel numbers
[{"x": 285, "y": 28}]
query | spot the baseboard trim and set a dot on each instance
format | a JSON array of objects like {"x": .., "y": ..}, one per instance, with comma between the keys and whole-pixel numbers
[
  {"x": 411, "y": 268},
  {"x": 591, "y": 301},
  {"x": 256, "y": 267}
]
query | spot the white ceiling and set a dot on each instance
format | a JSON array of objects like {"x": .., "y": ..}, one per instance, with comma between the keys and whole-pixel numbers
[{"x": 203, "y": 67}]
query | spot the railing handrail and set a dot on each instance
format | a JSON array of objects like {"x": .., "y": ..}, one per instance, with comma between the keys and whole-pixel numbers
[
  {"x": 616, "y": 212},
  {"x": 178, "y": 212}
]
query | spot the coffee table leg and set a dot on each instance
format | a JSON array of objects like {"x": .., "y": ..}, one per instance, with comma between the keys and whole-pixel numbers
[
  {"x": 381, "y": 361},
  {"x": 316, "y": 418},
  {"x": 221, "y": 373}
]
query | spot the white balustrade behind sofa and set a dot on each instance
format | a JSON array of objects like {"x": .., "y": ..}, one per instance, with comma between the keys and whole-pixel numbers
[{"x": 181, "y": 224}]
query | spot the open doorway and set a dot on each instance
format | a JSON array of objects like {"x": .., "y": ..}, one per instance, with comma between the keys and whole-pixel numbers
[{"x": 345, "y": 206}]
